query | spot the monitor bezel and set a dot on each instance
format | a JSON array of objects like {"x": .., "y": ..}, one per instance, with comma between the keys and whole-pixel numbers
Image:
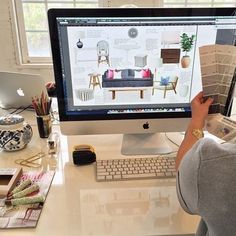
[{"x": 53, "y": 14}]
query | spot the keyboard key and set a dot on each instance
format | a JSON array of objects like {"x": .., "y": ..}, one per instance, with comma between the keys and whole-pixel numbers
[
  {"x": 117, "y": 176},
  {"x": 160, "y": 174},
  {"x": 102, "y": 173},
  {"x": 100, "y": 178},
  {"x": 168, "y": 174},
  {"x": 134, "y": 176}
]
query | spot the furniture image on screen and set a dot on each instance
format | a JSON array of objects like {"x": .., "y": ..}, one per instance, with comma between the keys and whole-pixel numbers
[
  {"x": 170, "y": 55},
  {"x": 140, "y": 90},
  {"x": 128, "y": 78},
  {"x": 84, "y": 94},
  {"x": 169, "y": 38},
  {"x": 127, "y": 47},
  {"x": 94, "y": 80},
  {"x": 168, "y": 83},
  {"x": 103, "y": 52},
  {"x": 140, "y": 60},
  {"x": 183, "y": 90}
]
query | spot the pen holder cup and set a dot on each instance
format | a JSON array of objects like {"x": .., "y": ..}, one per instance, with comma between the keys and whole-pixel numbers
[{"x": 44, "y": 125}]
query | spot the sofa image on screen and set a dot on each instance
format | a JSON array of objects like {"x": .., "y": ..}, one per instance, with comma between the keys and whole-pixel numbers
[{"x": 127, "y": 78}]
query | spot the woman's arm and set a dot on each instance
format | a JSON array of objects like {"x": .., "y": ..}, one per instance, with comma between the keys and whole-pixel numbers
[{"x": 199, "y": 113}]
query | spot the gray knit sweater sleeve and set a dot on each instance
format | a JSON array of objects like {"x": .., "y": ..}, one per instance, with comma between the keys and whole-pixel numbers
[
  {"x": 187, "y": 179},
  {"x": 206, "y": 186}
]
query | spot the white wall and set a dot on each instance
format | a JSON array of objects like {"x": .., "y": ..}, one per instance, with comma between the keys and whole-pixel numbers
[{"x": 8, "y": 60}]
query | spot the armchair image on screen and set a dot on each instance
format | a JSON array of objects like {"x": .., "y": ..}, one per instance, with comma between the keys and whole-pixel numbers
[
  {"x": 166, "y": 84},
  {"x": 103, "y": 52}
]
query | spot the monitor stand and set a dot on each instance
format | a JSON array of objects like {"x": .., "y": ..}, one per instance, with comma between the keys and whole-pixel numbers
[{"x": 145, "y": 144}]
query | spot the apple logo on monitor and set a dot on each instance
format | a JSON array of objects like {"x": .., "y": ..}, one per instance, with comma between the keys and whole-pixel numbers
[
  {"x": 20, "y": 92},
  {"x": 146, "y": 125}
]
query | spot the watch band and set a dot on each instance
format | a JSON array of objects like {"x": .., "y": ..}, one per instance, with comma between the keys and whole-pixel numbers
[{"x": 197, "y": 133}]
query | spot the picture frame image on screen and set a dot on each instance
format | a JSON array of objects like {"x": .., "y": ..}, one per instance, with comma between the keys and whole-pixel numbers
[{"x": 129, "y": 71}]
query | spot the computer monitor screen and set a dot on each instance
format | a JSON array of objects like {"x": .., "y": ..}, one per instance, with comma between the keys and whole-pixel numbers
[{"x": 135, "y": 71}]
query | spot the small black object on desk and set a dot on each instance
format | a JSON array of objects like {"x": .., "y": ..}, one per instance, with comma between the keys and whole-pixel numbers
[{"x": 83, "y": 154}]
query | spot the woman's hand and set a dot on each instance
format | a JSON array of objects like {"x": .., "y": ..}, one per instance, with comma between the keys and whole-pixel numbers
[{"x": 200, "y": 110}]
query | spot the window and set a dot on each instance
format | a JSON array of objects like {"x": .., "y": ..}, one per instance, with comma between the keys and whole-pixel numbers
[
  {"x": 32, "y": 26},
  {"x": 199, "y": 3}
]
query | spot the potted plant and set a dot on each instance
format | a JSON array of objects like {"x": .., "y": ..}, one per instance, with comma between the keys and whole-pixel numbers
[{"x": 186, "y": 45}]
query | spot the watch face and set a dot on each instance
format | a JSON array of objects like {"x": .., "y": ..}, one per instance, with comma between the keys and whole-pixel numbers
[{"x": 198, "y": 133}]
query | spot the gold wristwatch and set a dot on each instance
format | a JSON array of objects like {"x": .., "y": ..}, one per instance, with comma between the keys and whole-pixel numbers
[{"x": 197, "y": 133}]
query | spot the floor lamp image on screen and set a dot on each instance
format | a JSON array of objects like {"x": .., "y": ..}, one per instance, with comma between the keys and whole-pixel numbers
[{"x": 134, "y": 71}]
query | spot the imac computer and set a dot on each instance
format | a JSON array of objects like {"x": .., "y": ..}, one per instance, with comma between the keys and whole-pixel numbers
[{"x": 135, "y": 71}]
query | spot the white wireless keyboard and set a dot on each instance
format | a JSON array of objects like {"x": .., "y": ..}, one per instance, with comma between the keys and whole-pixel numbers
[{"x": 135, "y": 168}]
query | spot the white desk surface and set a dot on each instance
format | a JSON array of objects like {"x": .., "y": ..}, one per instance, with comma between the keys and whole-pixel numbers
[{"x": 78, "y": 205}]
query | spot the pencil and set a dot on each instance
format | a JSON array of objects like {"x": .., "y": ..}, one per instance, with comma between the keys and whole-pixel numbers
[{"x": 41, "y": 104}]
